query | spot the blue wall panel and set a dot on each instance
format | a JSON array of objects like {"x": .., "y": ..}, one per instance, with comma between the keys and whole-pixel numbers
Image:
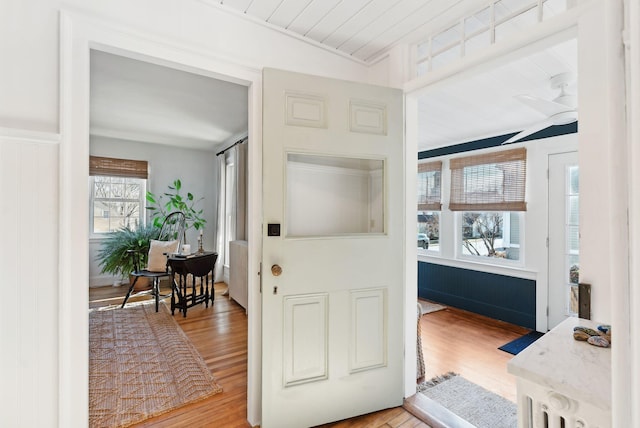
[{"x": 497, "y": 296}]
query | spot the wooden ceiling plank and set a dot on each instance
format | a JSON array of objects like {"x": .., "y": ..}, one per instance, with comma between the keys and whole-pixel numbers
[
  {"x": 288, "y": 11},
  {"x": 312, "y": 15},
  {"x": 263, "y": 9}
]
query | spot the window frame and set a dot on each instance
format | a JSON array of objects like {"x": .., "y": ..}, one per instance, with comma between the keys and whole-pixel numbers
[
  {"x": 92, "y": 200},
  {"x": 493, "y": 261}
]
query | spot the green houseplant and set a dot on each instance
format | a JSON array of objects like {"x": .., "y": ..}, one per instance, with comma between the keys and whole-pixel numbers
[
  {"x": 112, "y": 255},
  {"x": 172, "y": 200}
]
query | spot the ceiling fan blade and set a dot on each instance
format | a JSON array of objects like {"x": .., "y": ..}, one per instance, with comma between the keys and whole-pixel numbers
[
  {"x": 531, "y": 130},
  {"x": 546, "y": 107}
]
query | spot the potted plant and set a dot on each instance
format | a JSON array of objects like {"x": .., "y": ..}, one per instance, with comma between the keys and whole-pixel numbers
[
  {"x": 175, "y": 201},
  {"x": 113, "y": 257}
]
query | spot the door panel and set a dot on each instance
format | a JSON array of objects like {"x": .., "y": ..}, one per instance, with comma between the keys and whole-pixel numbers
[
  {"x": 333, "y": 180},
  {"x": 564, "y": 254}
]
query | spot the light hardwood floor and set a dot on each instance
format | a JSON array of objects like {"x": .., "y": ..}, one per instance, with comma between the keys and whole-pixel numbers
[{"x": 453, "y": 340}]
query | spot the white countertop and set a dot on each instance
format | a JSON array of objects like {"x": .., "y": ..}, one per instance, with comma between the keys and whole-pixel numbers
[{"x": 576, "y": 369}]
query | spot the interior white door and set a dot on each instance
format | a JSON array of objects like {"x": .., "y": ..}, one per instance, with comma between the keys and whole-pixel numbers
[
  {"x": 564, "y": 244},
  {"x": 333, "y": 249}
]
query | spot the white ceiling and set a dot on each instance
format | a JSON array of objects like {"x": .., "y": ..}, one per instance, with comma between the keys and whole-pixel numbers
[
  {"x": 361, "y": 29},
  {"x": 140, "y": 101},
  {"x": 484, "y": 105}
]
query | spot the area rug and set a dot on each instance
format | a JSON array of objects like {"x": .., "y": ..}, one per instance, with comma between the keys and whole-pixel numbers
[
  {"x": 428, "y": 307},
  {"x": 517, "y": 345},
  {"x": 471, "y": 402},
  {"x": 141, "y": 364}
]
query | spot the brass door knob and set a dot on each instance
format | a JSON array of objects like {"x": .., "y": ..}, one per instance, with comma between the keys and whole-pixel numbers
[{"x": 276, "y": 270}]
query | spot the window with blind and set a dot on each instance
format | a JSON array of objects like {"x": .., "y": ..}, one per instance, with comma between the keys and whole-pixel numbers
[
  {"x": 489, "y": 192},
  {"x": 429, "y": 205},
  {"x": 118, "y": 189}
]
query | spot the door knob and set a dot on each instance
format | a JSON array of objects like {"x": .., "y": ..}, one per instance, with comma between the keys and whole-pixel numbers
[{"x": 276, "y": 270}]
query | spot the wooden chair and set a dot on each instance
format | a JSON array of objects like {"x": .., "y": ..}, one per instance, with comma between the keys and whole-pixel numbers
[{"x": 169, "y": 241}]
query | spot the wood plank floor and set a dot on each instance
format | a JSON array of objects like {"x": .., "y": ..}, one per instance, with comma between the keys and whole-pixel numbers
[{"x": 453, "y": 340}]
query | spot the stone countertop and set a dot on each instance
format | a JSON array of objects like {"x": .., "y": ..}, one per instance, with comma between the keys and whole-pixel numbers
[{"x": 576, "y": 369}]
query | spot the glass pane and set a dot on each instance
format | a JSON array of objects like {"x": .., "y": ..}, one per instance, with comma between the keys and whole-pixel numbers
[
  {"x": 516, "y": 24},
  {"x": 447, "y": 37},
  {"x": 423, "y": 68},
  {"x": 552, "y": 8},
  {"x": 574, "y": 269},
  {"x": 118, "y": 190},
  {"x": 477, "y": 22},
  {"x": 573, "y": 300},
  {"x": 445, "y": 57},
  {"x": 477, "y": 42},
  {"x": 429, "y": 230},
  {"x": 574, "y": 209},
  {"x": 573, "y": 238},
  {"x": 574, "y": 180},
  {"x": 483, "y": 234},
  {"x": 329, "y": 195},
  {"x": 422, "y": 50}
]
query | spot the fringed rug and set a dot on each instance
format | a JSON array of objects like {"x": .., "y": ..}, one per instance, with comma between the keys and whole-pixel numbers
[
  {"x": 471, "y": 402},
  {"x": 141, "y": 364}
]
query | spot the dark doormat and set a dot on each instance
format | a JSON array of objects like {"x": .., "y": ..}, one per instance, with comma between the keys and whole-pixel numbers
[{"x": 517, "y": 345}]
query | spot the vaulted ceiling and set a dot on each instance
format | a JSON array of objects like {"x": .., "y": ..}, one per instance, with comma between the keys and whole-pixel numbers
[{"x": 145, "y": 102}]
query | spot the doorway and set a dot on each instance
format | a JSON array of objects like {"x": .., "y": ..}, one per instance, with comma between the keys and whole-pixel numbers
[{"x": 564, "y": 239}]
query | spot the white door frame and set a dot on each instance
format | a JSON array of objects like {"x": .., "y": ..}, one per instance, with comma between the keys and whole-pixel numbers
[
  {"x": 598, "y": 25},
  {"x": 78, "y": 35}
]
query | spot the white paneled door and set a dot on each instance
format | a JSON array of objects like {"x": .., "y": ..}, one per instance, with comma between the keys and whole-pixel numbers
[{"x": 333, "y": 249}]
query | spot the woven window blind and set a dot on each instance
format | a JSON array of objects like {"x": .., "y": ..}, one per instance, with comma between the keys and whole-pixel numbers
[
  {"x": 112, "y": 167},
  {"x": 489, "y": 182},
  {"x": 429, "y": 186}
]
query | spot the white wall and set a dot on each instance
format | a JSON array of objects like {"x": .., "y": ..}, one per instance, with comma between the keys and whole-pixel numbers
[
  {"x": 30, "y": 121},
  {"x": 196, "y": 169},
  {"x": 29, "y": 43}
]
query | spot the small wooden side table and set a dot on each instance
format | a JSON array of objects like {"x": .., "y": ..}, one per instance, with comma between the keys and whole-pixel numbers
[{"x": 185, "y": 271}]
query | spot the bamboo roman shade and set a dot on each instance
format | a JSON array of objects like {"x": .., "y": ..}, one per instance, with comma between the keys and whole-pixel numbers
[
  {"x": 489, "y": 182},
  {"x": 112, "y": 167},
  {"x": 429, "y": 184}
]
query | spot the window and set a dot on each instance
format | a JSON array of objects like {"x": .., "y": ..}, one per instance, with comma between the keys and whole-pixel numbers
[
  {"x": 489, "y": 190},
  {"x": 118, "y": 189},
  {"x": 429, "y": 205},
  {"x": 482, "y": 28}
]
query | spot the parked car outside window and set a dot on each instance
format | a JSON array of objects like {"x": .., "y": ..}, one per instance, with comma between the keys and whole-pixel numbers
[{"x": 423, "y": 241}]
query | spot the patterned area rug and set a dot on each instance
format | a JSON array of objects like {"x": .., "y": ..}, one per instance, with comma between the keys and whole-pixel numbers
[
  {"x": 141, "y": 364},
  {"x": 471, "y": 402}
]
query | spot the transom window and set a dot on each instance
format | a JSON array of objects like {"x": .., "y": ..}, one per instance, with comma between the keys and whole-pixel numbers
[{"x": 497, "y": 21}]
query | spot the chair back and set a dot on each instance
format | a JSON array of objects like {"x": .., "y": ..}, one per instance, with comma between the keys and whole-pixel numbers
[{"x": 173, "y": 228}]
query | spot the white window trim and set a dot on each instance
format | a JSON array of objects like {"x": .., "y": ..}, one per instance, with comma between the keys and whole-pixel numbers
[
  {"x": 485, "y": 260},
  {"x": 142, "y": 199}
]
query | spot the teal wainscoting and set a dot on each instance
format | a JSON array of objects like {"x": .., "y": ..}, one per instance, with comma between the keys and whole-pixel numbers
[{"x": 501, "y": 297}]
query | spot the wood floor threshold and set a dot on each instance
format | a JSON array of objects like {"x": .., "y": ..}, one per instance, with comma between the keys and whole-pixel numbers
[{"x": 432, "y": 413}]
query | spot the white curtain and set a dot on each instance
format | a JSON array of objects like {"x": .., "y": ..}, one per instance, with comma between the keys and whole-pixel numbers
[
  {"x": 218, "y": 273},
  {"x": 232, "y": 203}
]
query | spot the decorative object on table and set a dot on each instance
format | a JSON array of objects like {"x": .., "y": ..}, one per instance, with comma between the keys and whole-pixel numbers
[
  {"x": 600, "y": 337},
  {"x": 175, "y": 201},
  {"x": 113, "y": 257},
  {"x": 141, "y": 364},
  {"x": 471, "y": 402},
  {"x": 200, "y": 249}
]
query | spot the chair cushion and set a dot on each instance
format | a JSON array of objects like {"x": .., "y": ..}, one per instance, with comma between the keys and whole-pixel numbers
[{"x": 157, "y": 258}]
